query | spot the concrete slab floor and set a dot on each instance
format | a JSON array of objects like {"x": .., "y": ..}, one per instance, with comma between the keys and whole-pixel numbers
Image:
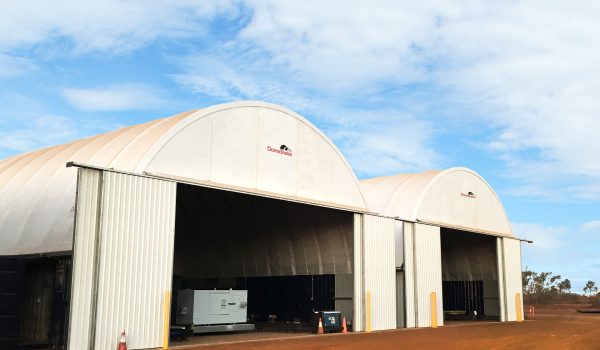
[{"x": 213, "y": 339}]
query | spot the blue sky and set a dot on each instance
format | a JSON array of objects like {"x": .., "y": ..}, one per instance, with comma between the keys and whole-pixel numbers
[{"x": 509, "y": 89}]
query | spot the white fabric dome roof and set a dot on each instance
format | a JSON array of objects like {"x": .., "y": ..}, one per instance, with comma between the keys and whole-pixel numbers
[
  {"x": 256, "y": 146},
  {"x": 457, "y": 197}
]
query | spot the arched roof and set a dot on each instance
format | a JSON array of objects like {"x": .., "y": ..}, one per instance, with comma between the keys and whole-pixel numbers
[
  {"x": 230, "y": 145},
  {"x": 457, "y": 197}
]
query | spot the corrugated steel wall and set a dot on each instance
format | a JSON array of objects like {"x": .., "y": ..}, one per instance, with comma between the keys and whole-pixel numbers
[
  {"x": 136, "y": 236},
  {"x": 502, "y": 292},
  {"x": 512, "y": 276},
  {"x": 409, "y": 275},
  {"x": 359, "y": 314},
  {"x": 428, "y": 273},
  {"x": 399, "y": 237},
  {"x": 380, "y": 270},
  {"x": 84, "y": 257},
  {"x": 133, "y": 267}
]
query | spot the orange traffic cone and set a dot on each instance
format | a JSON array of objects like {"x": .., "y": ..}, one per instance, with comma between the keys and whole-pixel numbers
[
  {"x": 320, "y": 329},
  {"x": 122, "y": 342},
  {"x": 344, "y": 327}
]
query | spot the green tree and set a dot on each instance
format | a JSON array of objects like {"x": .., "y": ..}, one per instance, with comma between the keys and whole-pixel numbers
[
  {"x": 564, "y": 286},
  {"x": 545, "y": 286},
  {"x": 590, "y": 288}
]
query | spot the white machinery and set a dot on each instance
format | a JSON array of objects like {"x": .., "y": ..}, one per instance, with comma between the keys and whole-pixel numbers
[{"x": 213, "y": 310}]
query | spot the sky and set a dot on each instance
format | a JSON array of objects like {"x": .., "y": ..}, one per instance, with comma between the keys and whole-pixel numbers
[{"x": 510, "y": 89}]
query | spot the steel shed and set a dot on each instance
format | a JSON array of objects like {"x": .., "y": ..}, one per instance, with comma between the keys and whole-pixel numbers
[
  {"x": 245, "y": 192},
  {"x": 456, "y": 233},
  {"x": 114, "y": 211}
]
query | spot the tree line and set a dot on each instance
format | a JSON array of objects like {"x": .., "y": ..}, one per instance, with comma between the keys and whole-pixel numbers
[{"x": 548, "y": 287}]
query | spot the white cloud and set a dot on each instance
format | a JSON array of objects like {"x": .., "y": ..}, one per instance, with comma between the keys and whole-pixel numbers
[
  {"x": 375, "y": 142},
  {"x": 110, "y": 26},
  {"x": 344, "y": 49},
  {"x": 14, "y": 65},
  {"x": 528, "y": 71},
  {"x": 114, "y": 97},
  {"x": 545, "y": 239},
  {"x": 539, "y": 84},
  {"x": 563, "y": 250},
  {"x": 378, "y": 143},
  {"x": 591, "y": 226}
]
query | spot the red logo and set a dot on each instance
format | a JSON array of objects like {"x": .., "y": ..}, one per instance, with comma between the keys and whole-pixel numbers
[
  {"x": 283, "y": 149},
  {"x": 468, "y": 195}
]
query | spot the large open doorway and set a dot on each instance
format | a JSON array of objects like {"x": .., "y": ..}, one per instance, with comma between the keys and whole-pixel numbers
[
  {"x": 469, "y": 276},
  {"x": 288, "y": 256}
]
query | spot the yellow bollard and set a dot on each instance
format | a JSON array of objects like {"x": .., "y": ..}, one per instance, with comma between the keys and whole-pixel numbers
[
  {"x": 166, "y": 314},
  {"x": 368, "y": 312},
  {"x": 518, "y": 306},
  {"x": 433, "y": 310}
]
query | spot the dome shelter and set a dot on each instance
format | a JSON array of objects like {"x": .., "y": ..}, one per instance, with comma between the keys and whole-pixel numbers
[
  {"x": 103, "y": 232},
  {"x": 452, "y": 232},
  {"x": 245, "y": 195}
]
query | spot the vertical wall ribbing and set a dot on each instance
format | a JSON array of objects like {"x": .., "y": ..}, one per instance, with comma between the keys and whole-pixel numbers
[
  {"x": 359, "y": 315},
  {"x": 512, "y": 276},
  {"x": 409, "y": 275},
  {"x": 84, "y": 257},
  {"x": 380, "y": 270},
  {"x": 428, "y": 273},
  {"x": 136, "y": 256},
  {"x": 501, "y": 279}
]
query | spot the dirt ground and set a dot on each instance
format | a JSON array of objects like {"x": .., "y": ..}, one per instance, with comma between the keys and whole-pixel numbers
[{"x": 553, "y": 328}]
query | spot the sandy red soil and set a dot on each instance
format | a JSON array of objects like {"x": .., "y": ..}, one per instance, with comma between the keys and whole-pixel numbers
[{"x": 557, "y": 327}]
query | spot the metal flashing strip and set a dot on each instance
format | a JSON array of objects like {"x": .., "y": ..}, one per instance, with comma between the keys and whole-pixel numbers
[
  {"x": 96, "y": 261},
  {"x": 113, "y": 170},
  {"x": 469, "y": 229},
  {"x": 256, "y": 192},
  {"x": 225, "y": 187},
  {"x": 62, "y": 253}
]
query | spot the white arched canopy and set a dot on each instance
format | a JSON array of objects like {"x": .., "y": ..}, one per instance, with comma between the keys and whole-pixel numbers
[
  {"x": 457, "y": 198},
  {"x": 253, "y": 146}
]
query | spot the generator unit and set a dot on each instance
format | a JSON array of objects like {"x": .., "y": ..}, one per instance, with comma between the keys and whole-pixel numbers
[{"x": 213, "y": 310}]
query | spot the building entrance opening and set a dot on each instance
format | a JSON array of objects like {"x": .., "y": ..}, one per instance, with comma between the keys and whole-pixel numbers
[
  {"x": 469, "y": 276},
  {"x": 283, "y": 257}
]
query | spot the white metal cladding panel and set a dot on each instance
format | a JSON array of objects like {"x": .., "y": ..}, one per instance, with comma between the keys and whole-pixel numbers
[
  {"x": 358, "y": 324},
  {"x": 428, "y": 271},
  {"x": 136, "y": 257},
  {"x": 512, "y": 276},
  {"x": 409, "y": 275},
  {"x": 399, "y": 233},
  {"x": 502, "y": 292},
  {"x": 83, "y": 258},
  {"x": 380, "y": 270}
]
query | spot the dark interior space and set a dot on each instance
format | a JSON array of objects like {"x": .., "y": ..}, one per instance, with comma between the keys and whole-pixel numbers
[
  {"x": 285, "y": 254},
  {"x": 463, "y": 295},
  {"x": 34, "y": 302},
  {"x": 469, "y": 276},
  {"x": 290, "y": 298},
  {"x": 11, "y": 295}
]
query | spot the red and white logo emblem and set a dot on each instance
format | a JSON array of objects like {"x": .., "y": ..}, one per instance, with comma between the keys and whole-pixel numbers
[{"x": 283, "y": 149}]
